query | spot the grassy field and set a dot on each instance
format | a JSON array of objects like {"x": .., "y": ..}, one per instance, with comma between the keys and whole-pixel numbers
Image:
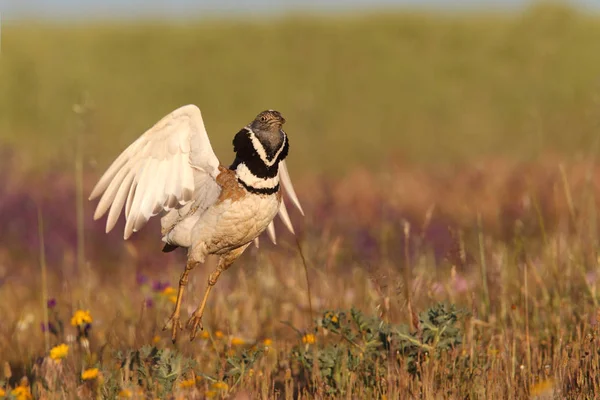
[
  {"x": 513, "y": 247},
  {"x": 446, "y": 165},
  {"x": 431, "y": 87}
]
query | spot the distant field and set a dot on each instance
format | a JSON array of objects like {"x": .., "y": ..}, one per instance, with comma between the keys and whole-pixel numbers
[{"x": 426, "y": 87}]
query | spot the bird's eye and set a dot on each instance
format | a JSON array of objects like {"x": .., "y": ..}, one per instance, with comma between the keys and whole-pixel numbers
[{"x": 263, "y": 118}]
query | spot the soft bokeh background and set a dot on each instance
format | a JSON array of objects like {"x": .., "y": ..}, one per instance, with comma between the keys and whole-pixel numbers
[
  {"x": 357, "y": 87},
  {"x": 437, "y": 148}
]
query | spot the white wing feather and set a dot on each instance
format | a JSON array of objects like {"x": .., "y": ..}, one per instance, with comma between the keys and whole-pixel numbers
[
  {"x": 156, "y": 172},
  {"x": 286, "y": 183}
]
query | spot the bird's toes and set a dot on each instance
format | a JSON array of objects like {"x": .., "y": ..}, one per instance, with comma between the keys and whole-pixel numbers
[
  {"x": 194, "y": 324},
  {"x": 174, "y": 323},
  {"x": 169, "y": 324}
]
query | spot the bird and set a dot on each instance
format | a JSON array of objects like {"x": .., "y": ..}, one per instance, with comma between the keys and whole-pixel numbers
[{"x": 172, "y": 171}]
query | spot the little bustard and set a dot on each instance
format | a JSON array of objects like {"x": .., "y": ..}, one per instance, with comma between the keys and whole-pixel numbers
[{"x": 172, "y": 171}]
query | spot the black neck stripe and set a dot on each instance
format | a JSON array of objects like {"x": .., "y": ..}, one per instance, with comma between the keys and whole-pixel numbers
[
  {"x": 247, "y": 154},
  {"x": 254, "y": 190}
]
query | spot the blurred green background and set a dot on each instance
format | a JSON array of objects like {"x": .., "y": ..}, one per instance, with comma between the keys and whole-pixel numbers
[{"x": 426, "y": 87}]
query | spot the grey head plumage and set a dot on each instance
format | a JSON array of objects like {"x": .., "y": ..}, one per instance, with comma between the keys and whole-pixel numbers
[{"x": 267, "y": 127}]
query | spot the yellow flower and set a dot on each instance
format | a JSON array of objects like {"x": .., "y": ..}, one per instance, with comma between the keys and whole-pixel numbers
[
  {"x": 332, "y": 317},
  {"x": 237, "y": 341},
  {"x": 204, "y": 335},
  {"x": 493, "y": 352},
  {"x": 309, "y": 338},
  {"x": 22, "y": 393},
  {"x": 190, "y": 383},
  {"x": 219, "y": 334},
  {"x": 89, "y": 374},
  {"x": 542, "y": 387},
  {"x": 81, "y": 317},
  {"x": 220, "y": 385},
  {"x": 125, "y": 393},
  {"x": 2, "y": 392},
  {"x": 168, "y": 291},
  {"x": 156, "y": 339},
  {"x": 210, "y": 394},
  {"x": 59, "y": 352},
  {"x": 173, "y": 299},
  {"x": 267, "y": 342}
]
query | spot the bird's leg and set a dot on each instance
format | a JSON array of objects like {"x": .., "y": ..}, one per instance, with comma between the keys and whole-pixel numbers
[
  {"x": 174, "y": 320},
  {"x": 225, "y": 262},
  {"x": 195, "y": 320}
]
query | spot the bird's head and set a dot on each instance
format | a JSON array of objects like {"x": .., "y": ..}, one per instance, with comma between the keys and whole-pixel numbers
[
  {"x": 269, "y": 120},
  {"x": 267, "y": 127}
]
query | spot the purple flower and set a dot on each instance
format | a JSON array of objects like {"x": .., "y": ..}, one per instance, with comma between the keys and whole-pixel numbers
[
  {"x": 159, "y": 286},
  {"x": 141, "y": 279},
  {"x": 51, "y": 303},
  {"x": 149, "y": 302},
  {"x": 86, "y": 330},
  {"x": 50, "y": 328}
]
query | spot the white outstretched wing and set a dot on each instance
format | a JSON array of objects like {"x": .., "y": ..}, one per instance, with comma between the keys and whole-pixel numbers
[
  {"x": 288, "y": 188},
  {"x": 158, "y": 172}
]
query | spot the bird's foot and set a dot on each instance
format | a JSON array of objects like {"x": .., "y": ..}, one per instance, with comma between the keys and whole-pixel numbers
[
  {"x": 175, "y": 324},
  {"x": 194, "y": 323}
]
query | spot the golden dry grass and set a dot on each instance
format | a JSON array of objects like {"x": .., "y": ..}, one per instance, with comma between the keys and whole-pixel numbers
[{"x": 532, "y": 327}]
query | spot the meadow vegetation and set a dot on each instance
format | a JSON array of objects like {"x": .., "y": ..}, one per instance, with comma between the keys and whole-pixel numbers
[{"x": 446, "y": 165}]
